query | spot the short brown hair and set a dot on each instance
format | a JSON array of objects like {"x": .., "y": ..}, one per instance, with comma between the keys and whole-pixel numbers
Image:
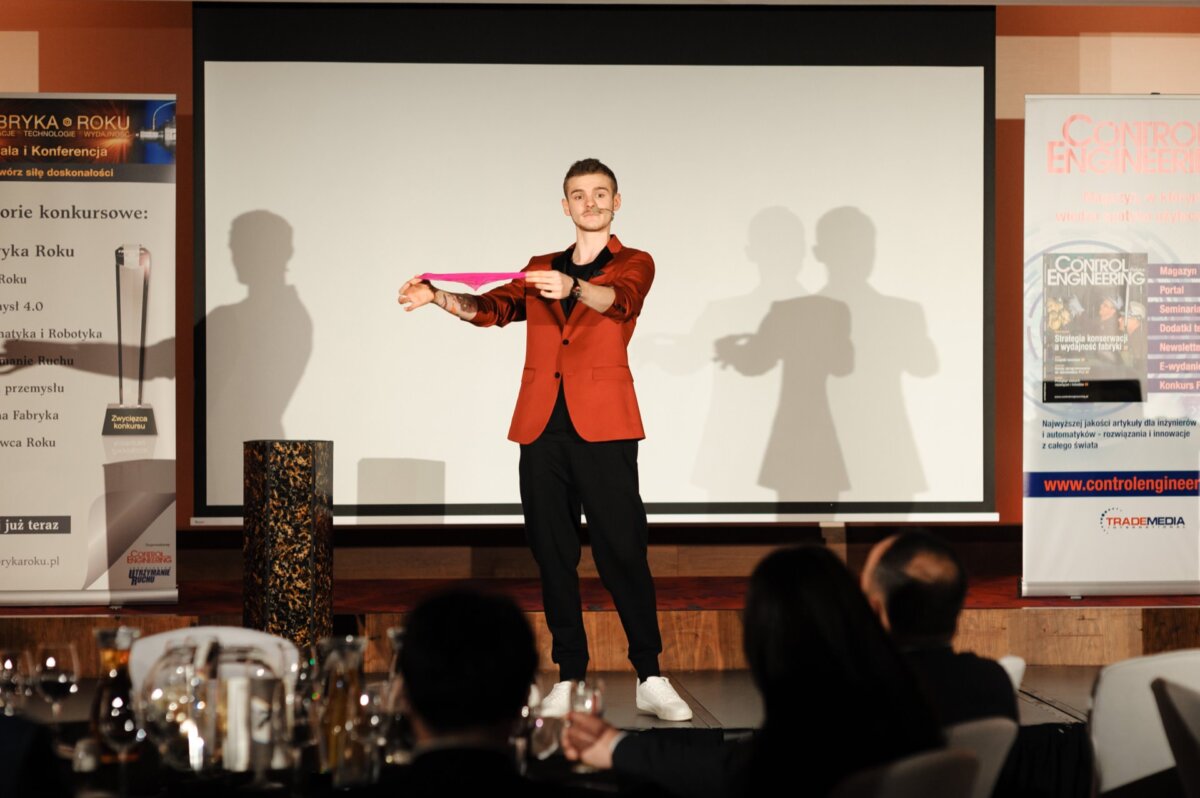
[{"x": 589, "y": 166}]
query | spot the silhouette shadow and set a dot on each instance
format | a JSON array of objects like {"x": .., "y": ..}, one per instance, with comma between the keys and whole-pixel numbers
[
  {"x": 892, "y": 341},
  {"x": 260, "y": 345},
  {"x": 809, "y": 338}
]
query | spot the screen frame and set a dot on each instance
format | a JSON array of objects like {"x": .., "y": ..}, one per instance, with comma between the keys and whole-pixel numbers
[{"x": 647, "y": 35}]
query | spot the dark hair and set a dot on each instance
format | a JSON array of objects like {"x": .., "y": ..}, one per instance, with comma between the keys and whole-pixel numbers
[
  {"x": 808, "y": 623},
  {"x": 467, "y": 660},
  {"x": 923, "y": 606},
  {"x": 834, "y": 685},
  {"x": 589, "y": 166}
]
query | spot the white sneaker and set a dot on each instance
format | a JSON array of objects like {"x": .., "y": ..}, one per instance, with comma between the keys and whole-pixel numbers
[
  {"x": 556, "y": 702},
  {"x": 656, "y": 696}
]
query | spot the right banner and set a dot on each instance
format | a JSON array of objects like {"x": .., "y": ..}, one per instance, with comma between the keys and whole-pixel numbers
[{"x": 1112, "y": 345}]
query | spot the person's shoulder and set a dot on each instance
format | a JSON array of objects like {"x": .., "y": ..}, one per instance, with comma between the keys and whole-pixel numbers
[{"x": 539, "y": 261}]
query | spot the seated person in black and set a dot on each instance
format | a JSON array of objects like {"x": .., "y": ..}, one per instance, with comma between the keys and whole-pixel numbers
[
  {"x": 916, "y": 584},
  {"x": 467, "y": 663},
  {"x": 838, "y": 697}
]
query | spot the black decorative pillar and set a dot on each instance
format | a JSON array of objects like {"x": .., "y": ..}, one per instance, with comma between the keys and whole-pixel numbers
[{"x": 287, "y": 582}]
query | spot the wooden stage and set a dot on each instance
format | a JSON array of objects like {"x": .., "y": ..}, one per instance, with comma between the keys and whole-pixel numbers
[{"x": 699, "y": 616}]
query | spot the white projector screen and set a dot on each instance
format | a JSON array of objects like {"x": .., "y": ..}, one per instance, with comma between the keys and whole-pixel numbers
[{"x": 812, "y": 346}]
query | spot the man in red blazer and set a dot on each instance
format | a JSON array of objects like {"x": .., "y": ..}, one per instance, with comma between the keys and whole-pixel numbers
[{"x": 578, "y": 424}]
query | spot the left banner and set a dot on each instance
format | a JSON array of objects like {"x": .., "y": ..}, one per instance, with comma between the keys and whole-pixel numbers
[{"x": 87, "y": 349}]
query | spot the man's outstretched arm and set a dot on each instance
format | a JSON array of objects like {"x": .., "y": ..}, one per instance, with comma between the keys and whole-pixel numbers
[{"x": 418, "y": 292}]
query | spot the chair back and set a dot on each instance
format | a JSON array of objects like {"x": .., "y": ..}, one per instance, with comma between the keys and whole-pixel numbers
[
  {"x": 281, "y": 654},
  {"x": 990, "y": 740},
  {"x": 948, "y": 773},
  {"x": 1014, "y": 666},
  {"x": 1127, "y": 734},
  {"x": 1179, "y": 708}
]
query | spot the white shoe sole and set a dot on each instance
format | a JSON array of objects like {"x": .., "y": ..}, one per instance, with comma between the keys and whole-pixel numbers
[{"x": 684, "y": 714}]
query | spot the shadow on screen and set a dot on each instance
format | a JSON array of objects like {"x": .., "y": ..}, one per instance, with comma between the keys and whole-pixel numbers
[
  {"x": 257, "y": 350},
  {"x": 775, "y": 248},
  {"x": 808, "y": 338},
  {"x": 890, "y": 342},
  {"x": 401, "y": 480}
]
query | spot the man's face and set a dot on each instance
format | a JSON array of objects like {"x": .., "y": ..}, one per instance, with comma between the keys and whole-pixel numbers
[
  {"x": 1130, "y": 324},
  {"x": 591, "y": 201},
  {"x": 1107, "y": 310}
]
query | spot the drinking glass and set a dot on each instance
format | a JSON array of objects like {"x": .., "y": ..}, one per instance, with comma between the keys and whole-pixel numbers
[
  {"x": 113, "y": 711},
  {"x": 56, "y": 673},
  {"x": 14, "y": 681},
  {"x": 587, "y": 696},
  {"x": 543, "y": 733},
  {"x": 372, "y": 727}
]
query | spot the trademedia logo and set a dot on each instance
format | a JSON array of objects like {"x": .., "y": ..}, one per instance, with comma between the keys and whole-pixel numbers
[{"x": 1114, "y": 518}]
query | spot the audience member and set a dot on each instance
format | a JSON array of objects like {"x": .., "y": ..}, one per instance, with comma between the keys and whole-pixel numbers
[
  {"x": 916, "y": 584},
  {"x": 467, "y": 663},
  {"x": 837, "y": 695}
]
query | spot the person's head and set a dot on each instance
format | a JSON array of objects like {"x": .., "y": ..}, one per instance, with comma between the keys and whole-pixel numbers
[
  {"x": 1132, "y": 319},
  {"x": 822, "y": 662},
  {"x": 467, "y": 661},
  {"x": 1109, "y": 307},
  {"x": 916, "y": 584},
  {"x": 260, "y": 243},
  {"x": 590, "y": 195},
  {"x": 806, "y": 624},
  {"x": 846, "y": 243}
]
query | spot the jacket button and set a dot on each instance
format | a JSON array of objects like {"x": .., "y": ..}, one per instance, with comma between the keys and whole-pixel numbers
[
  {"x": 566, "y": 341},
  {"x": 557, "y": 375}
]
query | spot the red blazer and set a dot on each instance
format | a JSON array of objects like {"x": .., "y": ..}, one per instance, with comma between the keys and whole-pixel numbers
[{"x": 586, "y": 352}]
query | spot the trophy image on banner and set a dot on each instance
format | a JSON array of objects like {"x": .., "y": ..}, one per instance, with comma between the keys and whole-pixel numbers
[{"x": 130, "y": 416}]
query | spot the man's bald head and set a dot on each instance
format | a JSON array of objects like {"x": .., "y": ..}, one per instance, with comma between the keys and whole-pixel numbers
[{"x": 916, "y": 583}]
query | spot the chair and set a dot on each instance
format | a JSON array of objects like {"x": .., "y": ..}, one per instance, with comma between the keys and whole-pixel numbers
[
  {"x": 990, "y": 740},
  {"x": 1014, "y": 666},
  {"x": 1179, "y": 708},
  {"x": 281, "y": 654},
  {"x": 1127, "y": 733},
  {"x": 948, "y": 773}
]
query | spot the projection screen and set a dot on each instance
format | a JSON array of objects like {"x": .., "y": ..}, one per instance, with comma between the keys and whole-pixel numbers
[{"x": 816, "y": 344}]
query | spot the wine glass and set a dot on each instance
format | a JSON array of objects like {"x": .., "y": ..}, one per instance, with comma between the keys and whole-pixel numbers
[
  {"x": 587, "y": 698},
  {"x": 14, "y": 680},
  {"x": 55, "y": 672},
  {"x": 117, "y": 726}
]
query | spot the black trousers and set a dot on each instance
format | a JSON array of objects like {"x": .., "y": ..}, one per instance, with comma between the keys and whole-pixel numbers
[{"x": 560, "y": 474}]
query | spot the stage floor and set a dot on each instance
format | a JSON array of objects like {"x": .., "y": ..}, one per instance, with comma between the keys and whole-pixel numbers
[{"x": 728, "y": 700}]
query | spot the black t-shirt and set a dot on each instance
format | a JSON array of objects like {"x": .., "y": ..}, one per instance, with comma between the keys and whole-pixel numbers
[{"x": 560, "y": 418}]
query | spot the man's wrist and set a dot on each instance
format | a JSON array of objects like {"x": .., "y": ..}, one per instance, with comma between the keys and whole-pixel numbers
[{"x": 576, "y": 289}]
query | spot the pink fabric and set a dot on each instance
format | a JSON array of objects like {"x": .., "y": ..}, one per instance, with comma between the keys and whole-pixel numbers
[{"x": 475, "y": 280}]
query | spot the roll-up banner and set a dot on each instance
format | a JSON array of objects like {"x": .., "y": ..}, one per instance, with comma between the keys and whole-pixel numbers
[
  {"x": 1112, "y": 345},
  {"x": 87, "y": 364}
]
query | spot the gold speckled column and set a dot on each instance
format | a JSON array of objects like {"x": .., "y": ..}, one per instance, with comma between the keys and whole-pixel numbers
[{"x": 288, "y": 541}]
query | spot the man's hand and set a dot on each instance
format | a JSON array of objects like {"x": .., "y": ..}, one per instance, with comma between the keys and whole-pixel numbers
[
  {"x": 589, "y": 739},
  {"x": 549, "y": 283},
  {"x": 16, "y": 349},
  {"x": 730, "y": 350},
  {"x": 415, "y": 293}
]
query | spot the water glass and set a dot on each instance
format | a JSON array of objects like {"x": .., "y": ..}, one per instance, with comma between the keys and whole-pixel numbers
[{"x": 14, "y": 681}]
